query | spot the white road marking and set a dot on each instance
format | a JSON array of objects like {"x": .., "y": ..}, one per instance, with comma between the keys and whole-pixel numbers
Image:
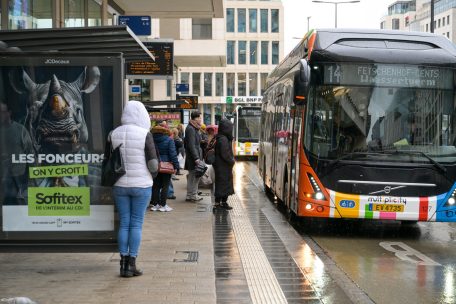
[{"x": 407, "y": 253}]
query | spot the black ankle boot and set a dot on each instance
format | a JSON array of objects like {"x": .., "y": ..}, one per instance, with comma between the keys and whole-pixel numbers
[
  {"x": 125, "y": 267},
  {"x": 225, "y": 206},
  {"x": 132, "y": 264}
]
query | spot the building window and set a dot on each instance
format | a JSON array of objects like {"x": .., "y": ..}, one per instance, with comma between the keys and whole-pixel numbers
[
  {"x": 207, "y": 110},
  {"x": 230, "y": 20},
  {"x": 253, "y": 20},
  {"x": 28, "y": 14},
  {"x": 207, "y": 84},
  {"x": 395, "y": 24},
  {"x": 439, "y": 22},
  {"x": 263, "y": 82},
  {"x": 242, "y": 52},
  {"x": 264, "y": 20},
  {"x": 264, "y": 52},
  {"x": 275, "y": 20},
  {"x": 74, "y": 13},
  {"x": 253, "y": 52},
  {"x": 230, "y": 84},
  {"x": 185, "y": 77},
  {"x": 218, "y": 84},
  {"x": 201, "y": 29},
  {"x": 253, "y": 84},
  {"x": 196, "y": 79},
  {"x": 242, "y": 85},
  {"x": 94, "y": 17},
  {"x": 230, "y": 52},
  {"x": 241, "y": 20},
  {"x": 443, "y": 21},
  {"x": 382, "y": 25},
  {"x": 448, "y": 19},
  {"x": 427, "y": 27},
  {"x": 275, "y": 52},
  {"x": 168, "y": 87}
]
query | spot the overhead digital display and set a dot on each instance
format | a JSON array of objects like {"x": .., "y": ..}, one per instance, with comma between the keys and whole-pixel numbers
[{"x": 161, "y": 68}]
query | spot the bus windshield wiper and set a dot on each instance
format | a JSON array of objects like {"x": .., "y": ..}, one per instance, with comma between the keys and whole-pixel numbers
[
  {"x": 348, "y": 155},
  {"x": 433, "y": 161}
]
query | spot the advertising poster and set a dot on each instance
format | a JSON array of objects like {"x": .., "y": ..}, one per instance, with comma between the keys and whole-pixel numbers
[
  {"x": 172, "y": 117},
  {"x": 55, "y": 115}
]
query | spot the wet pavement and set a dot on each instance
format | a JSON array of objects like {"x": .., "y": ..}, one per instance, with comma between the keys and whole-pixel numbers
[{"x": 250, "y": 254}]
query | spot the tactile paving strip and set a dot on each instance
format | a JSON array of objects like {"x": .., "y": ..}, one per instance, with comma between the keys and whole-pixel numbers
[{"x": 261, "y": 280}]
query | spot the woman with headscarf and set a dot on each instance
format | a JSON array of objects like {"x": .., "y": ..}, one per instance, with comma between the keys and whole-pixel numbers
[{"x": 223, "y": 165}]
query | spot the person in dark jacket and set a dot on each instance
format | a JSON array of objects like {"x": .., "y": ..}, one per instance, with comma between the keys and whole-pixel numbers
[
  {"x": 167, "y": 153},
  {"x": 193, "y": 155},
  {"x": 223, "y": 165}
]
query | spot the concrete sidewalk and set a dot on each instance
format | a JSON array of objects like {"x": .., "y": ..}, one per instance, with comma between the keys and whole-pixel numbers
[{"x": 171, "y": 242}]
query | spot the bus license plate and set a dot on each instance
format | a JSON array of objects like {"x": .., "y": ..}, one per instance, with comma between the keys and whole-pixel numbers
[{"x": 387, "y": 208}]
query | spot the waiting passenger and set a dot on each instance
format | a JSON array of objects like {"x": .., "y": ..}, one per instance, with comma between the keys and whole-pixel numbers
[{"x": 223, "y": 165}]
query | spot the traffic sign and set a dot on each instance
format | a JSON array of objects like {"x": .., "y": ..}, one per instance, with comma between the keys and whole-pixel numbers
[
  {"x": 140, "y": 25},
  {"x": 182, "y": 87}
]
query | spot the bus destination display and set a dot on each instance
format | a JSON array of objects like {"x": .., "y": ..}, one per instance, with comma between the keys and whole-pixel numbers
[
  {"x": 388, "y": 75},
  {"x": 161, "y": 68}
]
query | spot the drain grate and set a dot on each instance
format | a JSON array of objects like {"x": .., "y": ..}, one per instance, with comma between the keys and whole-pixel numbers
[{"x": 192, "y": 257}]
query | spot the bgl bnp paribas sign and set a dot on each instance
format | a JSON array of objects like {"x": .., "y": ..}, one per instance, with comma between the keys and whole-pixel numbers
[{"x": 242, "y": 99}]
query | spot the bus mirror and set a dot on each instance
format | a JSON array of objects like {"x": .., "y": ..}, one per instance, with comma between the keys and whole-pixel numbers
[{"x": 302, "y": 81}]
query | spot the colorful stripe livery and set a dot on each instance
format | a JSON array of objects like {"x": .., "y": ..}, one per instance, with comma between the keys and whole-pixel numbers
[{"x": 382, "y": 207}]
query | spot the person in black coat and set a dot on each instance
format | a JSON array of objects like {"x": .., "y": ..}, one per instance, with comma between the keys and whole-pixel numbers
[{"x": 223, "y": 165}]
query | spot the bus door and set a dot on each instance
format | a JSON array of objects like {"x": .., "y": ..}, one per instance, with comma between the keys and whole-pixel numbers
[
  {"x": 296, "y": 139},
  {"x": 277, "y": 125}
]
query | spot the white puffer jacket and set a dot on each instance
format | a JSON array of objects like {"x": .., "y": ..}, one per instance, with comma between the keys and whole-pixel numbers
[{"x": 132, "y": 135}]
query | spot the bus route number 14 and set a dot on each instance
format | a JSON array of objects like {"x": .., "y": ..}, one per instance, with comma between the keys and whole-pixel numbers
[{"x": 333, "y": 73}]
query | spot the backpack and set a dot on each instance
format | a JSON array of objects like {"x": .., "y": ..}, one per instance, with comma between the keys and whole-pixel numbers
[{"x": 209, "y": 156}]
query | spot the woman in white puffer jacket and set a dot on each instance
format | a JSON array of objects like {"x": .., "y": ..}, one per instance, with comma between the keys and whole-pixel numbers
[{"x": 132, "y": 192}]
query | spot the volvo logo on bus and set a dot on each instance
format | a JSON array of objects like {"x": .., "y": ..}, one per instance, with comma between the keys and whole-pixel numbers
[{"x": 387, "y": 189}]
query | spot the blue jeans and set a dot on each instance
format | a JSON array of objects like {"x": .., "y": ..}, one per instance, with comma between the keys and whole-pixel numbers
[
  {"x": 131, "y": 203},
  {"x": 170, "y": 189}
]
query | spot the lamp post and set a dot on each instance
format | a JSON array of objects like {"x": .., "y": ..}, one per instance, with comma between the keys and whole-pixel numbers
[
  {"x": 308, "y": 18},
  {"x": 335, "y": 7}
]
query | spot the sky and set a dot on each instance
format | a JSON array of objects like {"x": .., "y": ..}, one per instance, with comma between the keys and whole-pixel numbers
[{"x": 365, "y": 14}]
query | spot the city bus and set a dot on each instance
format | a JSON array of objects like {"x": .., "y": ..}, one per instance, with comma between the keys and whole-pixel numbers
[
  {"x": 361, "y": 124},
  {"x": 246, "y": 131}
]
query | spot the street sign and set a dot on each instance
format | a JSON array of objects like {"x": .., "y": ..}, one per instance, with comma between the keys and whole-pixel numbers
[
  {"x": 140, "y": 25},
  {"x": 182, "y": 87},
  {"x": 135, "y": 89}
]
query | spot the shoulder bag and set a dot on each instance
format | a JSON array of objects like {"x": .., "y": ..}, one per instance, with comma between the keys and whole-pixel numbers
[
  {"x": 164, "y": 167},
  {"x": 112, "y": 167}
]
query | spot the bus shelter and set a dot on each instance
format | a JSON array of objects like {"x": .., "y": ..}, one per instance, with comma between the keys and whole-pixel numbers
[{"x": 56, "y": 110}]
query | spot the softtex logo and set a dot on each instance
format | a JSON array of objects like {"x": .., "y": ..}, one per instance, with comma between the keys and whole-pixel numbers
[{"x": 56, "y": 61}]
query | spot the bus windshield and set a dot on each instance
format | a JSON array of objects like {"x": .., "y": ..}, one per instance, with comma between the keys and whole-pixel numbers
[
  {"x": 248, "y": 124},
  {"x": 382, "y": 108}
]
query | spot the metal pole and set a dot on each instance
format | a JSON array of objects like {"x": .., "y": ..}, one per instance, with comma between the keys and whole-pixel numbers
[
  {"x": 308, "y": 18},
  {"x": 335, "y": 15},
  {"x": 432, "y": 16}
]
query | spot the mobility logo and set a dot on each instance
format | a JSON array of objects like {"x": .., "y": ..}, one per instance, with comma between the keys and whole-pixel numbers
[{"x": 59, "y": 201}]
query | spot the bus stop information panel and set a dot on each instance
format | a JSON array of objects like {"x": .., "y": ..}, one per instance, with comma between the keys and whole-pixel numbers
[{"x": 56, "y": 112}]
